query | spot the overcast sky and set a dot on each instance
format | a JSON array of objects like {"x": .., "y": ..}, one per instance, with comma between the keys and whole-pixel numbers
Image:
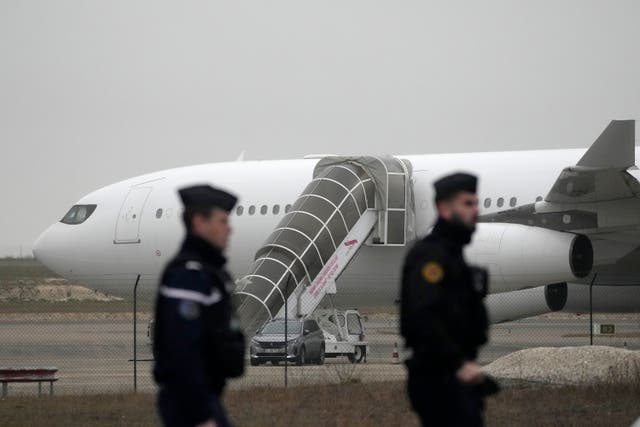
[{"x": 92, "y": 92}]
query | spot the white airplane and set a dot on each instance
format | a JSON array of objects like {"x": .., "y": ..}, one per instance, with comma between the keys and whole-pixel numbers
[{"x": 340, "y": 225}]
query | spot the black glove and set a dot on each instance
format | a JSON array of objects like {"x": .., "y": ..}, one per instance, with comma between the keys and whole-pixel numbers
[{"x": 487, "y": 387}]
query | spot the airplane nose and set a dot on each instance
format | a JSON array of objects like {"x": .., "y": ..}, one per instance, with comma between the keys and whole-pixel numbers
[
  {"x": 44, "y": 249},
  {"x": 39, "y": 245}
]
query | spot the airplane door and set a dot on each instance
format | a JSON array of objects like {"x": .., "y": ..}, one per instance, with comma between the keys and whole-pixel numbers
[
  {"x": 128, "y": 224},
  {"x": 423, "y": 198}
]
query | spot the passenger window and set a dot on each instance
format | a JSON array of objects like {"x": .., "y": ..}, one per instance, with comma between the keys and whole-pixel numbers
[
  {"x": 252, "y": 210},
  {"x": 276, "y": 209},
  {"x": 487, "y": 202},
  {"x": 263, "y": 209},
  {"x": 287, "y": 208},
  {"x": 513, "y": 202},
  {"x": 159, "y": 213},
  {"x": 239, "y": 210},
  {"x": 539, "y": 199},
  {"x": 500, "y": 202}
]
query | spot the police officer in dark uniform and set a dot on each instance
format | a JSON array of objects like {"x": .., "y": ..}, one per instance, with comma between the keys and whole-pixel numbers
[
  {"x": 197, "y": 341},
  {"x": 443, "y": 318}
]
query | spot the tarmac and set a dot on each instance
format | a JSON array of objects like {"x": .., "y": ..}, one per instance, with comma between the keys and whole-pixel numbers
[{"x": 94, "y": 354}]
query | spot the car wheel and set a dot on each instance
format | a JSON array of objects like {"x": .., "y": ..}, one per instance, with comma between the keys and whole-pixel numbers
[
  {"x": 254, "y": 362},
  {"x": 301, "y": 357},
  {"x": 321, "y": 356}
]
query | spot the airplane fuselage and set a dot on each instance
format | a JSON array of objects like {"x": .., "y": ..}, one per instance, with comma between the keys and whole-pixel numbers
[{"x": 136, "y": 226}]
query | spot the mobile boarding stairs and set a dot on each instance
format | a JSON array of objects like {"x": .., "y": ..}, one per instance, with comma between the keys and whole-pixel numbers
[{"x": 350, "y": 202}]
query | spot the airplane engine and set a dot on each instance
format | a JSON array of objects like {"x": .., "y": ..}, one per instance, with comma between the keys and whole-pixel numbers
[
  {"x": 515, "y": 305},
  {"x": 520, "y": 256},
  {"x": 566, "y": 297}
]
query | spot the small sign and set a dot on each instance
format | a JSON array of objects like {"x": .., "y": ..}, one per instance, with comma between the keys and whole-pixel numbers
[{"x": 607, "y": 329}]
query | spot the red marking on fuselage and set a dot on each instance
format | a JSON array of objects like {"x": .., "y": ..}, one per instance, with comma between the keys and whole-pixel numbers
[{"x": 351, "y": 242}]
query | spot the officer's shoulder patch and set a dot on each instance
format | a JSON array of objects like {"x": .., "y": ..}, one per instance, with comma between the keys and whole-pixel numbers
[
  {"x": 432, "y": 272},
  {"x": 190, "y": 310},
  {"x": 193, "y": 265}
]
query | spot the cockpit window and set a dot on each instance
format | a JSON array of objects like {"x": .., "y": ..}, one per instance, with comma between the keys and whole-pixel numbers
[{"x": 78, "y": 214}]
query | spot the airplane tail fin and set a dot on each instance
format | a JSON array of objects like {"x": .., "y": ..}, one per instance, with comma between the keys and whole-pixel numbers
[{"x": 614, "y": 148}]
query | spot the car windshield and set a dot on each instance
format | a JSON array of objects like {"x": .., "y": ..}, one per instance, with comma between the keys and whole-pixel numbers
[{"x": 277, "y": 327}]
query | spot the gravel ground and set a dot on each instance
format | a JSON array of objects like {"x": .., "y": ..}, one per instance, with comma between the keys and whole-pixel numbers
[
  {"x": 569, "y": 365},
  {"x": 49, "y": 289}
]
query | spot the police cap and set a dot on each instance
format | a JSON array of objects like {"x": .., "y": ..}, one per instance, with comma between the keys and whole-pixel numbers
[
  {"x": 449, "y": 185},
  {"x": 205, "y": 196}
]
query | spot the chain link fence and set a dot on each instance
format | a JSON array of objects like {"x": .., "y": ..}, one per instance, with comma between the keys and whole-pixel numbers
[{"x": 89, "y": 337}]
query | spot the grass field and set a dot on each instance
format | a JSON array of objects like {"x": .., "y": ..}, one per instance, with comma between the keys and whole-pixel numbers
[
  {"x": 23, "y": 268},
  {"x": 382, "y": 404}
]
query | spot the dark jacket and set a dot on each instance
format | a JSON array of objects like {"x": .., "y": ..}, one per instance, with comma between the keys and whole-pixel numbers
[
  {"x": 443, "y": 318},
  {"x": 197, "y": 343}
]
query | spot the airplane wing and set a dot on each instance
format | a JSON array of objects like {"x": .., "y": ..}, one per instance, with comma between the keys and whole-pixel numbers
[
  {"x": 599, "y": 196},
  {"x": 601, "y": 174}
]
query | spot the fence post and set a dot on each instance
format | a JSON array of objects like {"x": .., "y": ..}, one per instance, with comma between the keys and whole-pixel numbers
[
  {"x": 286, "y": 341},
  {"x": 135, "y": 335},
  {"x": 591, "y": 308}
]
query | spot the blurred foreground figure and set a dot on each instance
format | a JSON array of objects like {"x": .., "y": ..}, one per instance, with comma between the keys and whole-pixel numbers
[
  {"x": 443, "y": 318},
  {"x": 197, "y": 341}
]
